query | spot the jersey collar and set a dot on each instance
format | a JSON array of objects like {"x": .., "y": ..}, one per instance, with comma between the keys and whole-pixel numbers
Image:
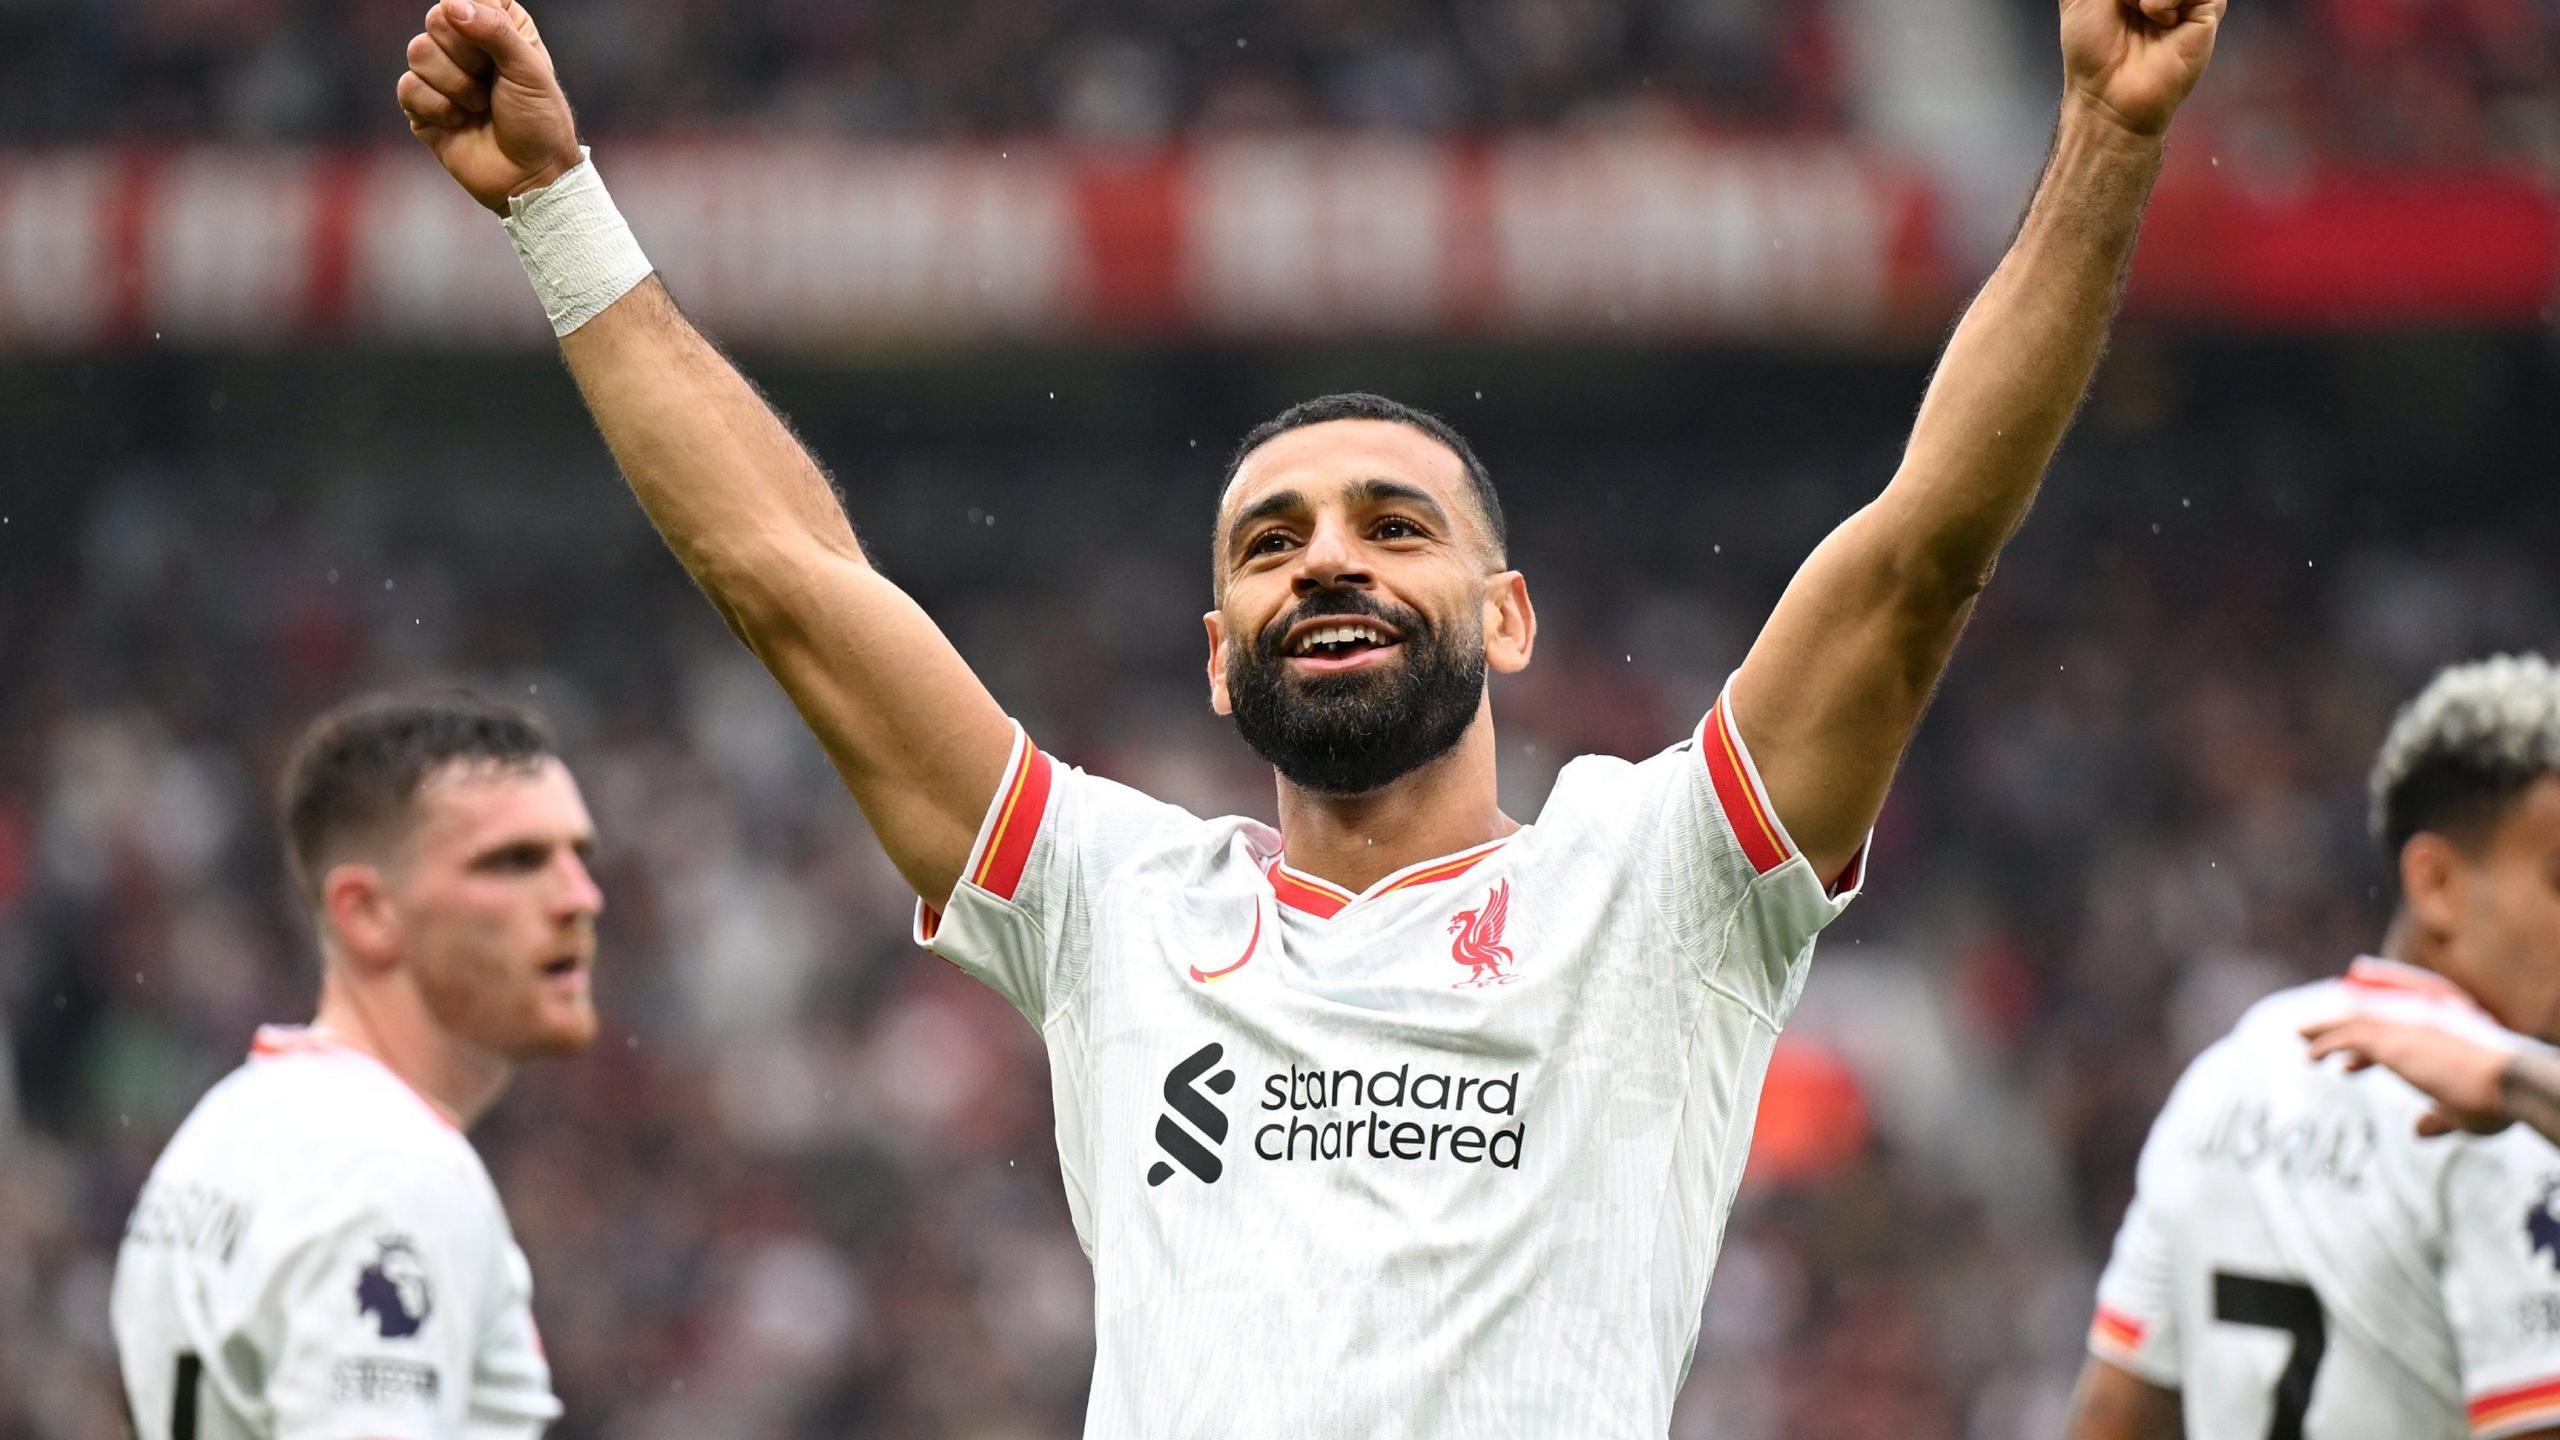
[
  {"x": 1324, "y": 899},
  {"x": 2373, "y": 973},
  {"x": 276, "y": 1041}
]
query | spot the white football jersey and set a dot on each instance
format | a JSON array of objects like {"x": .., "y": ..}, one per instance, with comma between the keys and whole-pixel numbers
[
  {"x": 319, "y": 1255},
  {"x": 2298, "y": 1262},
  {"x": 1450, "y": 1157}
]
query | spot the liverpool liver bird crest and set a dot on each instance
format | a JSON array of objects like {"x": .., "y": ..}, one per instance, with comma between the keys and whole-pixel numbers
[{"x": 1479, "y": 942}]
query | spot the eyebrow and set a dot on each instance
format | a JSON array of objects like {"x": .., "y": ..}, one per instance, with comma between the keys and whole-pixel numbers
[
  {"x": 1361, "y": 494},
  {"x": 1278, "y": 502},
  {"x": 583, "y": 845}
]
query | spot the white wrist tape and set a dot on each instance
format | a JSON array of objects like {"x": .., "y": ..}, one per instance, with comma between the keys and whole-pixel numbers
[{"x": 575, "y": 246}]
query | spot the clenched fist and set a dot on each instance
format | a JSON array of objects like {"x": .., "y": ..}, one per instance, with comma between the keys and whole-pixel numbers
[
  {"x": 2137, "y": 60},
  {"x": 481, "y": 93}
]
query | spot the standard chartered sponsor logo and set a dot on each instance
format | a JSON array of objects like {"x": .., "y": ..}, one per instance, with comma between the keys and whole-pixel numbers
[
  {"x": 1197, "y": 1108},
  {"x": 1391, "y": 1114},
  {"x": 1341, "y": 1115}
]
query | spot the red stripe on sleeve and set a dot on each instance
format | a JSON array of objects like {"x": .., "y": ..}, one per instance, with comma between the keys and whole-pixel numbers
[
  {"x": 2117, "y": 1328},
  {"x": 2498, "y": 1408},
  {"x": 1744, "y": 808},
  {"x": 1009, "y": 848}
]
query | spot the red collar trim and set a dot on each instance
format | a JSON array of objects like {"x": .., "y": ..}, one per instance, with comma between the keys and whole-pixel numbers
[
  {"x": 2371, "y": 973},
  {"x": 1304, "y": 892},
  {"x": 276, "y": 1041},
  {"x": 1324, "y": 899}
]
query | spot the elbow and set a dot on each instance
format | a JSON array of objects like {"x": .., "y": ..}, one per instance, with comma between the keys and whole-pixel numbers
[
  {"x": 762, "y": 591},
  {"x": 1922, "y": 565},
  {"x": 1941, "y": 581}
]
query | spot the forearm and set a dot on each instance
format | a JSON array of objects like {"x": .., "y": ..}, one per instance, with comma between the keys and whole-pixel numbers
[
  {"x": 2113, "y": 1404},
  {"x": 2530, "y": 1090},
  {"x": 917, "y": 739},
  {"x": 1838, "y": 679},
  {"x": 2015, "y": 370},
  {"x": 919, "y": 742},
  {"x": 728, "y": 485}
]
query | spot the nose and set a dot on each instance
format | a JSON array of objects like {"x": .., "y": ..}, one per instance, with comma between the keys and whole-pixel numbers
[
  {"x": 580, "y": 896},
  {"x": 1331, "y": 561}
]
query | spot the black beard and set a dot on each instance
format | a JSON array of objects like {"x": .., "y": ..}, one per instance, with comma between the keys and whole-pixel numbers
[{"x": 1355, "y": 731}]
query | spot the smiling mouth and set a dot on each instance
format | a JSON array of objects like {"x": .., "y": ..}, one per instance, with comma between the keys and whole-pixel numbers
[{"x": 1339, "y": 640}]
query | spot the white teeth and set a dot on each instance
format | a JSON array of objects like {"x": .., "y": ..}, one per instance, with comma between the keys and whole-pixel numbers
[{"x": 1339, "y": 635}]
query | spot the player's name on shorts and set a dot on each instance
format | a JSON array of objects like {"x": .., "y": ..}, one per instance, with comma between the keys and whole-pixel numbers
[
  {"x": 2329, "y": 1149},
  {"x": 1377, "y": 1135},
  {"x": 194, "y": 1218}
]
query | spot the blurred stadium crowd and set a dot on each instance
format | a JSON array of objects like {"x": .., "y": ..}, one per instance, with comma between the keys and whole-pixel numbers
[
  {"x": 943, "y": 68},
  {"x": 805, "y": 1184},
  {"x": 2441, "y": 81}
]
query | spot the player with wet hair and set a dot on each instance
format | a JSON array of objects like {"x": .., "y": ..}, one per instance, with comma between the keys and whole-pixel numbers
[
  {"x": 319, "y": 1251},
  {"x": 2297, "y": 1262},
  {"x": 1512, "y": 1233}
]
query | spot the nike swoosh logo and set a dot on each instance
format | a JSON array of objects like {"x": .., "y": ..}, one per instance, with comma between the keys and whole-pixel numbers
[{"x": 1205, "y": 976}]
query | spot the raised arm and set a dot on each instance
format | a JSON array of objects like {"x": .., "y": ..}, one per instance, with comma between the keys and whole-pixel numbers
[
  {"x": 1836, "y": 682},
  {"x": 916, "y": 737}
]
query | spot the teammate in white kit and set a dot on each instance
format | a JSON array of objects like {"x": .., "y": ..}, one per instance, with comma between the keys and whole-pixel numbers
[
  {"x": 319, "y": 1254},
  {"x": 2299, "y": 1263},
  {"x": 1400, "y": 1118}
]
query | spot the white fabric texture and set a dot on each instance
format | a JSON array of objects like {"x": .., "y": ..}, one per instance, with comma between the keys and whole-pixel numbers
[
  {"x": 327, "y": 1259},
  {"x": 575, "y": 246},
  {"x": 1448, "y": 1158},
  {"x": 2435, "y": 1287}
]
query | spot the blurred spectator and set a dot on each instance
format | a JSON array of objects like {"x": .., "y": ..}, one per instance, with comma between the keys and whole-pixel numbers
[
  {"x": 322, "y": 69},
  {"x": 2370, "y": 82},
  {"x": 2386, "y": 83}
]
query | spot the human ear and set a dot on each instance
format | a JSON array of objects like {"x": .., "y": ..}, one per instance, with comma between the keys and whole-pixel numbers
[
  {"x": 1510, "y": 623},
  {"x": 2433, "y": 882},
  {"x": 1218, "y": 701},
  {"x": 356, "y": 906}
]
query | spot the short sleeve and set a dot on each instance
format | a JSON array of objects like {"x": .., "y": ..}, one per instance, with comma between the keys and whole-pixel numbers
[
  {"x": 2135, "y": 1328},
  {"x": 377, "y": 1313},
  {"x": 2501, "y": 1280},
  {"x": 511, "y": 1395},
  {"x": 1021, "y": 917},
  {"x": 1723, "y": 873}
]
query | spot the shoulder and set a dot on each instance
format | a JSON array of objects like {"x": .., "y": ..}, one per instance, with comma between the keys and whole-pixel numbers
[
  {"x": 2263, "y": 1057},
  {"x": 2517, "y": 1161},
  {"x": 2268, "y": 1032},
  {"x": 339, "y": 1136},
  {"x": 1608, "y": 791},
  {"x": 1098, "y": 811},
  {"x": 1187, "y": 852},
  {"x": 1597, "y": 790}
]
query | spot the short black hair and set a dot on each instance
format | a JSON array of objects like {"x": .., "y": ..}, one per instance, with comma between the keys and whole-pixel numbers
[
  {"x": 1361, "y": 405},
  {"x": 2476, "y": 738},
  {"x": 356, "y": 769}
]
